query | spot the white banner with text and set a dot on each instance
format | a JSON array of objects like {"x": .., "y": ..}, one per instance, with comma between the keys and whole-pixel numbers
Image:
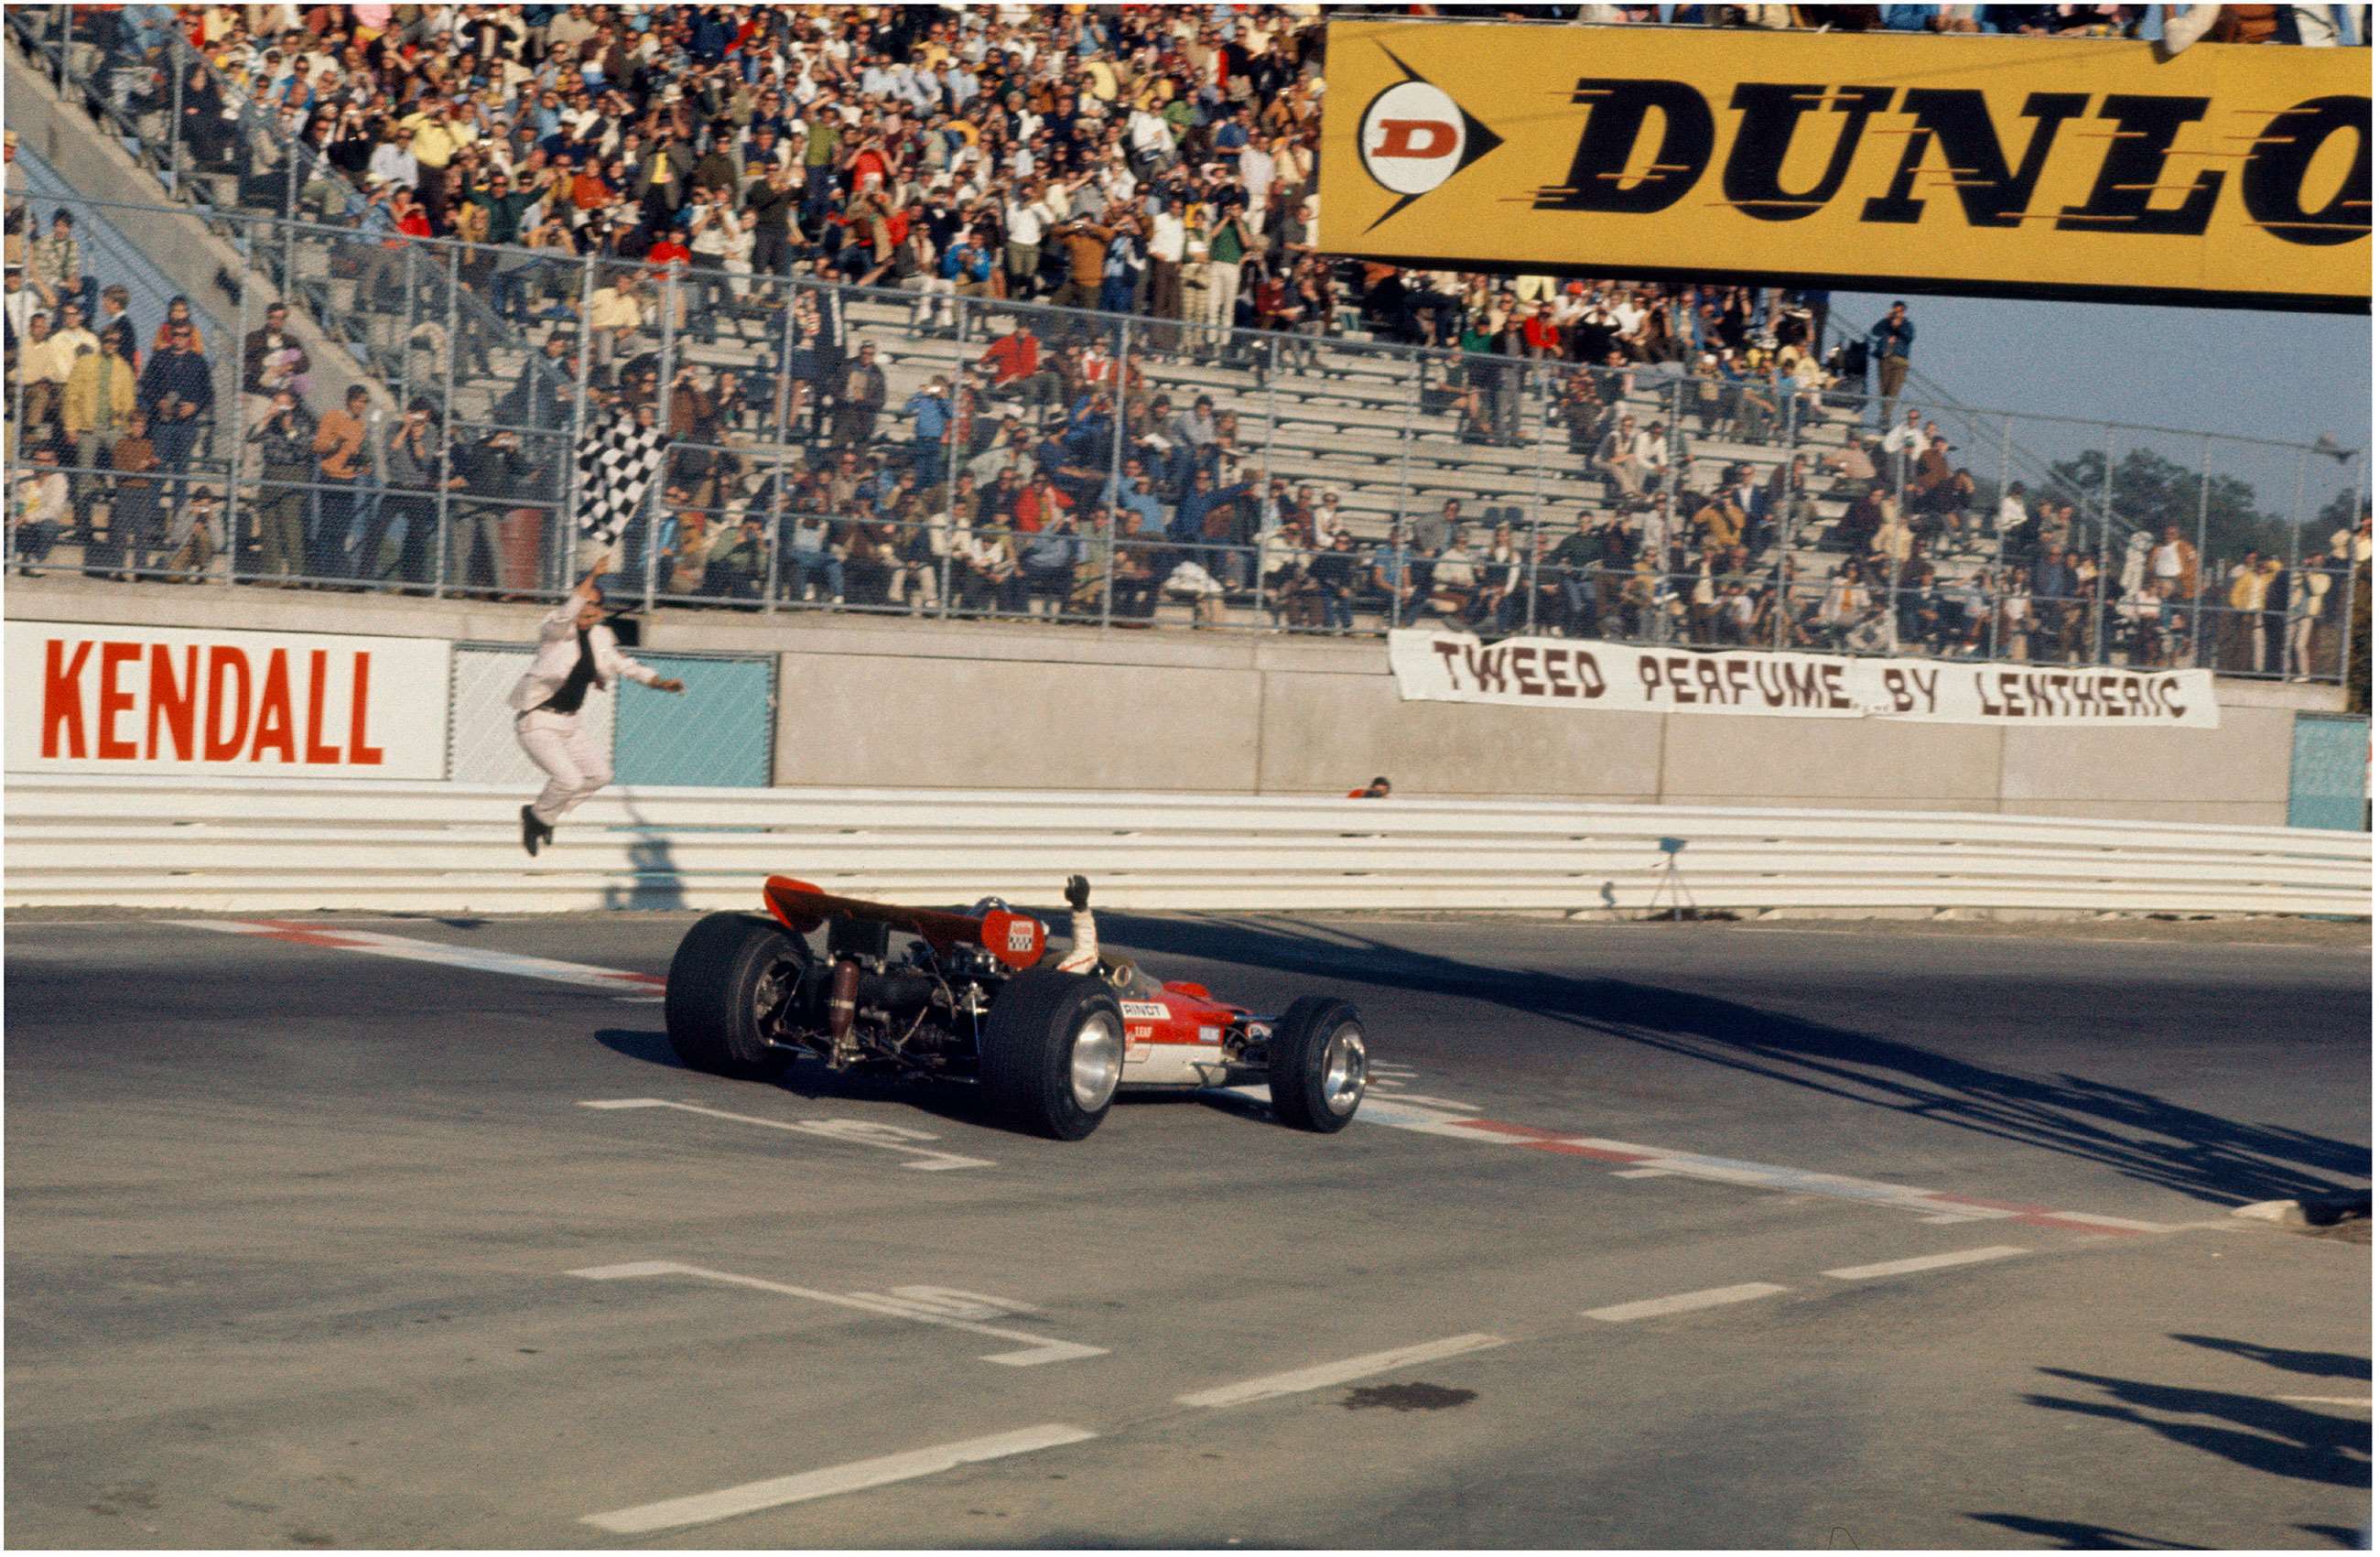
[
  {"x": 1564, "y": 672},
  {"x": 90, "y": 699}
]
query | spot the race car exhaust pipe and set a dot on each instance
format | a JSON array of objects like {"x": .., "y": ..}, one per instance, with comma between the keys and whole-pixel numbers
[{"x": 842, "y": 1000}]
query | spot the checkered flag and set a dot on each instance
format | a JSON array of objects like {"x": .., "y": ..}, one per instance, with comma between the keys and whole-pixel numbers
[{"x": 617, "y": 460}]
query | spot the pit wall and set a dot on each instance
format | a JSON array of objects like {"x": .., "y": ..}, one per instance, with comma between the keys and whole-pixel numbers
[{"x": 865, "y": 703}]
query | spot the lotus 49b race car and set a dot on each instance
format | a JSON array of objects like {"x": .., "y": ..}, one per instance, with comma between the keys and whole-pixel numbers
[{"x": 982, "y": 996}]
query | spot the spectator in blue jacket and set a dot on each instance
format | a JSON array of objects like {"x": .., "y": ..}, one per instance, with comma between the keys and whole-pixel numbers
[
  {"x": 177, "y": 391},
  {"x": 930, "y": 430},
  {"x": 1048, "y": 556},
  {"x": 1189, "y": 526}
]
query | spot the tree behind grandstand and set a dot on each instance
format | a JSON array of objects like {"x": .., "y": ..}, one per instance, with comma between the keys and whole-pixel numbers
[{"x": 2152, "y": 491}]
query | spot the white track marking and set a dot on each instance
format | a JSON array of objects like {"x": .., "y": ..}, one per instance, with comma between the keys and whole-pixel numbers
[
  {"x": 860, "y": 1475},
  {"x": 1644, "y": 1172},
  {"x": 480, "y": 958},
  {"x": 2327, "y": 1400},
  {"x": 852, "y": 1132},
  {"x": 1418, "y": 1099},
  {"x": 1962, "y": 1216},
  {"x": 1925, "y": 1262},
  {"x": 1038, "y": 1349},
  {"x": 1684, "y": 1302},
  {"x": 1323, "y": 1375}
]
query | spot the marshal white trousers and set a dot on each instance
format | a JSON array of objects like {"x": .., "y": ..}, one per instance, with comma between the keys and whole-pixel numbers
[{"x": 575, "y": 765}]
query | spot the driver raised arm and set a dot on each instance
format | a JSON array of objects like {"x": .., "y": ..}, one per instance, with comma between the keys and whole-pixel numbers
[{"x": 1084, "y": 955}]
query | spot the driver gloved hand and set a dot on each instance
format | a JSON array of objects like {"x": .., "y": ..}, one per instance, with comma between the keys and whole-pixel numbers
[{"x": 1079, "y": 892}]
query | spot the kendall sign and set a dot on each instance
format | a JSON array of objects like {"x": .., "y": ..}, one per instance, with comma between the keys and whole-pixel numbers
[{"x": 247, "y": 704}]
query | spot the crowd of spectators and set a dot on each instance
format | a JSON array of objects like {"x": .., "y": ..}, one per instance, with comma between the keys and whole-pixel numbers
[{"x": 1151, "y": 161}]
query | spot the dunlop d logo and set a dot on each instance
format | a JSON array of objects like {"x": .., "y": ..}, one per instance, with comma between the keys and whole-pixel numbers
[{"x": 2224, "y": 175}]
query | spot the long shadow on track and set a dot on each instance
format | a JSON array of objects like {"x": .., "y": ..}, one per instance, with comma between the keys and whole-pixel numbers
[{"x": 2139, "y": 1135}]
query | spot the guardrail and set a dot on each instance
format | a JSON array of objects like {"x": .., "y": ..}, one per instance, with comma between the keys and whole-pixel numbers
[{"x": 254, "y": 845}]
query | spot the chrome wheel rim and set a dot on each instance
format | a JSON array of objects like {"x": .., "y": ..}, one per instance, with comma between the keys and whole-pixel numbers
[
  {"x": 769, "y": 990},
  {"x": 1344, "y": 1070},
  {"x": 1098, "y": 1060}
]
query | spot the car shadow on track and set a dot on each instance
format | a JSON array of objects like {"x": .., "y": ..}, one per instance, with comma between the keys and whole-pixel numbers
[
  {"x": 2143, "y": 1136},
  {"x": 957, "y": 1103},
  {"x": 813, "y": 1082}
]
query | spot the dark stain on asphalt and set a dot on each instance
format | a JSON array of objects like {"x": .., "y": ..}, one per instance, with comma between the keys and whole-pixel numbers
[{"x": 1407, "y": 1397}]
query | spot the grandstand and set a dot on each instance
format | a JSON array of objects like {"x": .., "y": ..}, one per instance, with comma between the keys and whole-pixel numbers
[{"x": 1387, "y": 396}]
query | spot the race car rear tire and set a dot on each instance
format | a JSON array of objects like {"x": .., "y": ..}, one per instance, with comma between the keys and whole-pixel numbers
[
  {"x": 1319, "y": 1068},
  {"x": 1052, "y": 1053},
  {"x": 728, "y": 973}
]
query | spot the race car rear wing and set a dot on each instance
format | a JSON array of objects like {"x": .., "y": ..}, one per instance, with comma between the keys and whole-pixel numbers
[{"x": 1017, "y": 939}]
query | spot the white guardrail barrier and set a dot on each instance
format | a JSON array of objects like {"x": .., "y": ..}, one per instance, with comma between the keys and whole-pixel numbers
[{"x": 249, "y": 844}]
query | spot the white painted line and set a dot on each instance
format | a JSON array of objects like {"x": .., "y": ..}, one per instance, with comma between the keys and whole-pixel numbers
[
  {"x": 1684, "y": 1302},
  {"x": 1644, "y": 1172},
  {"x": 1961, "y": 1216},
  {"x": 854, "y": 1132},
  {"x": 753, "y": 1496},
  {"x": 1038, "y": 1349},
  {"x": 639, "y": 1000},
  {"x": 2126, "y": 1224},
  {"x": 1323, "y": 1375},
  {"x": 1418, "y": 1099},
  {"x": 2327, "y": 1400},
  {"x": 1923, "y": 1262},
  {"x": 480, "y": 958}
]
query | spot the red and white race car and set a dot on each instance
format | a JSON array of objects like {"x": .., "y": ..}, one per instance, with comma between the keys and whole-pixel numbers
[{"x": 982, "y": 996}]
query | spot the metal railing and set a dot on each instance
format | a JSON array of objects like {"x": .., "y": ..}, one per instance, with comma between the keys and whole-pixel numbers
[
  {"x": 1763, "y": 511},
  {"x": 220, "y": 843}
]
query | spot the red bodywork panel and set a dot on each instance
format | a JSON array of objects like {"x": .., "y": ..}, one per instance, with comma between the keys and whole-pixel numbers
[
  {"x": 1017, "y": 939},
  {"x": 1180, "y": 1013}
]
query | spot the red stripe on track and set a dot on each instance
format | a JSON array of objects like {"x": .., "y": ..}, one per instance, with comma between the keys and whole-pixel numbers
[
  {"x": 1494, "y": 1127},
  {"x": 1573, "y": 1149}
]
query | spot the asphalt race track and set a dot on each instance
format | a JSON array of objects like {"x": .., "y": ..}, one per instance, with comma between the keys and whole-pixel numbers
[{"x": 1827, "y": 1237}]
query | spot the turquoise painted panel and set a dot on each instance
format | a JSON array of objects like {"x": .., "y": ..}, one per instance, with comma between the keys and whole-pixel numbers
[
  {"x": 720, "y": 731},
  {"x": 2327, "y": 772}
]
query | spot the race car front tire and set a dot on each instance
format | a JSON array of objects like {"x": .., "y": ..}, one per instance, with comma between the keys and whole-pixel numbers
[
  {"x": 1052, "y": 1051},
  {"x": 729, "y": 973},
  {"x": 1317, "y": 1067}
]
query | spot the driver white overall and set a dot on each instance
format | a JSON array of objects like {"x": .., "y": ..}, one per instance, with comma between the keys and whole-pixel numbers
[{"x": 1083, "y": 957}]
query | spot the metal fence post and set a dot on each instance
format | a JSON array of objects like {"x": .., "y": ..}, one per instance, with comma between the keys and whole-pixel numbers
[
  {"x": 1783, "y": 526},
  {"x": 662, "y": 425},
  {"x": 1405, "y": 436},
  {"x": 446, "y": 435},
  {"x": 66, "y": 51},
  {"x": 1998, "y": 583},
  {"x": 1115, "y": 476},
  {"x": 2106, "y": 529},
  {"x": 234, "y": 467},
  {"x": 173, "y": 126},
  {"x": 962, "y": 311},
  {"x": 565, "y": 547},
  {"x": 2347, "y": 583},
  {"x": 1544, "y": 403},
  {"x": 2296, "y": 576},
  {"x": 2198, "y": 654}
]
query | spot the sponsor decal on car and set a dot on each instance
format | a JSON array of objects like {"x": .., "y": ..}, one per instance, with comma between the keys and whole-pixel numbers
[
  {"x": 1144, "y": 1010},
  {"x": 1211, "y": 1035}
]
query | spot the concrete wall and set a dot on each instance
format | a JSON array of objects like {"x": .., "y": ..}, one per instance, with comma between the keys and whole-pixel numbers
[{"x": 867, "y": 702}]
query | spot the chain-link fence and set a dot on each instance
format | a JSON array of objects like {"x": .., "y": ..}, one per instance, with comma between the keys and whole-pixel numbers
[{"x": 401, "y": 413}]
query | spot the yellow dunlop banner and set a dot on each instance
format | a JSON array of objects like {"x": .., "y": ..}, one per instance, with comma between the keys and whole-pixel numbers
[{"x": 2226, "y": 176}]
